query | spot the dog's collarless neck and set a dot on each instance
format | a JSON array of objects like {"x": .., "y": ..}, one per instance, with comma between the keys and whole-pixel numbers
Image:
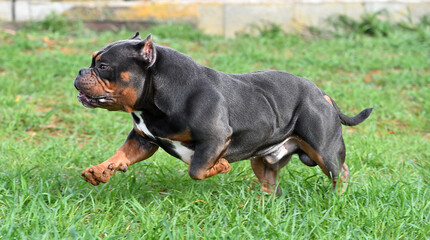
[{"x": 146, "y": 101}]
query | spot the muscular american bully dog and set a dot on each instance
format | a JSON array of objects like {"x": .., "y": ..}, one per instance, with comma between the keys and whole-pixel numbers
[{"x": 209, "y": 119}]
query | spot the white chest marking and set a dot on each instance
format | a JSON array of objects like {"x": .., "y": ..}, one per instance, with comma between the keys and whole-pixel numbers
[
  {"x": 184, "y": 153},
  {"x": 141, "y": 126}
]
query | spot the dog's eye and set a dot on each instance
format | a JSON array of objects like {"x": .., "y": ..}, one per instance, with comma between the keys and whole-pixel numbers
[{"x": 103, "y": 66}]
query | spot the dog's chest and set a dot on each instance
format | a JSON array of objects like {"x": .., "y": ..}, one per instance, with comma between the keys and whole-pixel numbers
[{"x": 175, "y": 148}]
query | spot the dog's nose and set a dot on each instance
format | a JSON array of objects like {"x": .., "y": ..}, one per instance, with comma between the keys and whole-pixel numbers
[
  {"x": 76, "y": 85},
  {"x": 83, "y": 71}
]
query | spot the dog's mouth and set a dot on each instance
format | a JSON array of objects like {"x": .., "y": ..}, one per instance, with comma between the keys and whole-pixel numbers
[{"x": 93, "y": 101}]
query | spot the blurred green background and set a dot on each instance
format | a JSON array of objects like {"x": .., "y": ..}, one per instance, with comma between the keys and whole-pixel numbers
[{"x": 48, "y": 138}]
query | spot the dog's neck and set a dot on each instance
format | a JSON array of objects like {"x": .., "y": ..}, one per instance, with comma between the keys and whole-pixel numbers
[
  {"x": 148, "y": 87},
  {"x": 146, "y": 100}
]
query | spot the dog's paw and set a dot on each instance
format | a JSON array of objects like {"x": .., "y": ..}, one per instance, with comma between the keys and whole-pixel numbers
[
  {"x": 100, "y": 173},
  {"x": 225, "y": 165}
]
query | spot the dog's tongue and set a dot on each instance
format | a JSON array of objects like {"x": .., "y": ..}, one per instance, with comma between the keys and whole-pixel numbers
[{"x": 82, "y": 94}]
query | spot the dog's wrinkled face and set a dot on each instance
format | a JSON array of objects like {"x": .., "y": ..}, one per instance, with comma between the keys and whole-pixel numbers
[{"x": 116, "y": 77}]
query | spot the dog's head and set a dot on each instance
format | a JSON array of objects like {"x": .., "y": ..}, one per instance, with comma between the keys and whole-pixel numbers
[{"x": 115, "y": 80}]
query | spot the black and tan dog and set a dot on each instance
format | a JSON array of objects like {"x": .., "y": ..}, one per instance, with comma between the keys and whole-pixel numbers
[{"x": 208, "y": 118}]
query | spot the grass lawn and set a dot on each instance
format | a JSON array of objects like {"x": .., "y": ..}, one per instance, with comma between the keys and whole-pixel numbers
[{"x": 47, "y": 138}]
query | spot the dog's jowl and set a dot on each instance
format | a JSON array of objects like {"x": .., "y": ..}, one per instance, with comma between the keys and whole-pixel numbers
[{"x": 209, "y": 119}]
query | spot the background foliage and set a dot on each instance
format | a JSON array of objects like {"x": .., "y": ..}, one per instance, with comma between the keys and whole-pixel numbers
[{"x": 48, "y": 138}]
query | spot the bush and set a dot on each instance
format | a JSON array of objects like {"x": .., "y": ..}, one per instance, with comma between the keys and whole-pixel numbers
[
  {"x": 369, "y": 24},
  {"x": 55, "y": 23}
]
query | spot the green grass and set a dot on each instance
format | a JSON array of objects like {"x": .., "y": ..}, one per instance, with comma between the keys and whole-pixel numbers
[{"x": 47, "y": 138}]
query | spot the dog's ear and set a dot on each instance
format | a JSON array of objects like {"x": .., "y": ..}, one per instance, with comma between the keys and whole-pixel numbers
[
  {"x": 149, "y": 52},
  {"x": 135, "y": 37}
]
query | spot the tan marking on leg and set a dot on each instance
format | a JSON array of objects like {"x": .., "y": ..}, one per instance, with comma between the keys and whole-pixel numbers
[
  {"x": 221, "y": 165},
  {"x": 343, "y": 182},
  {"x": 328, "y": 99},
  {"x": 266, "y": 175},
  {"x": 183, "y": 137},
  {"x": 129, "y": 153},
  {"x": 312, "y": 153}
]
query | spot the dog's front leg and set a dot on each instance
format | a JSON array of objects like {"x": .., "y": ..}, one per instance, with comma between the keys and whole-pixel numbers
[
  {"x": 267, "y": 174},
  {"x": 207, "y": 161},
  {"x": 135, "y": 149}
]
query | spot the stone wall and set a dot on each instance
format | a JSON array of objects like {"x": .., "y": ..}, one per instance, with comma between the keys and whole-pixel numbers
[{"x": 222, "y": 17}]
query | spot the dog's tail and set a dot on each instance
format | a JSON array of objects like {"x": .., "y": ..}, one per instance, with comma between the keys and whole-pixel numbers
[{"x": 352, "y": 121}]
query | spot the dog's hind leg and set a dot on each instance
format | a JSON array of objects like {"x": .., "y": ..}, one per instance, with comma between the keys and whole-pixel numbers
[
  {"x": 342, "y": 183},
  {"x": 330, "y": 163}
]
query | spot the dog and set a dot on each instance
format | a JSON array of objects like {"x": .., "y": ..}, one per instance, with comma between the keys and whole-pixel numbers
[{"x": 210, "y": 119}]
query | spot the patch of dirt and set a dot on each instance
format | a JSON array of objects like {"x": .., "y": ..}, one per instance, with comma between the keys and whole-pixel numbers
[{"x": 369, "y": 76}]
